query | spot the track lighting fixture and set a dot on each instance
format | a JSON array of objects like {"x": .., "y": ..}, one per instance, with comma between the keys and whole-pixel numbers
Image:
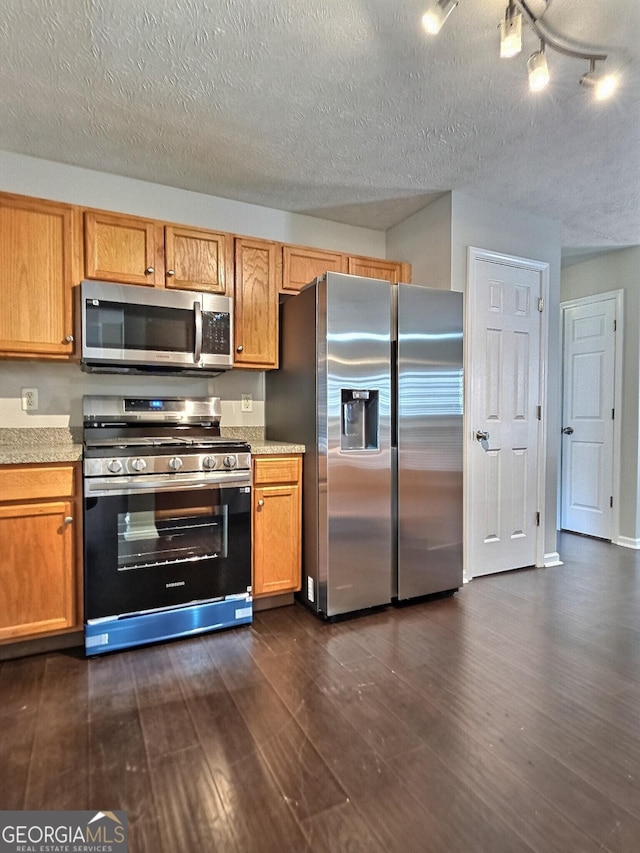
[{"x": 603, "y": 85}]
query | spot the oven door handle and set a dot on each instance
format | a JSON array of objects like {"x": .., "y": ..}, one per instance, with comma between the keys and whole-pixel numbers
[{"x": 101, "y": 486}]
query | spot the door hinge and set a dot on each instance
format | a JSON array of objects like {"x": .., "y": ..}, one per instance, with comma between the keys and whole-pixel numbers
[
  {"x": 539, "y": 412},
  {"x": 540, "y": 303},
  {"x": 613, "y": 414},
  {"x": 615, "y": 325},
  {"x": 611, "y": 501},
  {"x": 537, "y": 519}
]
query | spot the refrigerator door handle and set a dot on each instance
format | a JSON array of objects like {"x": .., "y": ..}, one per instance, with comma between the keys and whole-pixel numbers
[{"x": 394, "y": 396}]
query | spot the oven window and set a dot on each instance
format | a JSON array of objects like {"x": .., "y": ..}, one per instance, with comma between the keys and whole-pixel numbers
[{"x": 155, "y": 535}]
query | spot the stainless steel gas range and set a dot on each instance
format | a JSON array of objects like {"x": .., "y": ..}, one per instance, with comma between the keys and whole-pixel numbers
[{"x": 167, "y": 521}]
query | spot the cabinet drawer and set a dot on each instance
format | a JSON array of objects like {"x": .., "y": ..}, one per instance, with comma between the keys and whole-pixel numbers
[
  {"x": 24, "y": 483},
  {"x": 276, "y": 469}
]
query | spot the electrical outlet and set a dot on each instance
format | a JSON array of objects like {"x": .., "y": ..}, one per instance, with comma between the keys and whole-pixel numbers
[
  {"x": 29, "y": 399},
  {"x": 246, "y": 404}
]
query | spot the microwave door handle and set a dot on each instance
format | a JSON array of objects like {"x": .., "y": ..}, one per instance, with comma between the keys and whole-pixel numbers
[{"x": 198, "y": 340}]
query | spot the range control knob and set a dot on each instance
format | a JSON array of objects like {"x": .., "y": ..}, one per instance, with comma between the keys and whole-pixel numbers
[
  {"x": 115, "y": 466},
  {"x": 230, "y": 462},
  {"x": 175, "y": 463},
  {"x": 209, "y": 462},
  {"x": 138, "y": 464}
]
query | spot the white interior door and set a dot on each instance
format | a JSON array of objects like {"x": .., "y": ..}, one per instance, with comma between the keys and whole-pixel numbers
[
  {"x": 504, "y": 304},
  {"x": 588, "y": 404}
]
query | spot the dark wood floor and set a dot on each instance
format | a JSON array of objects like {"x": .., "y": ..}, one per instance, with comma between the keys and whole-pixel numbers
[{"x": 504, "y": 719}]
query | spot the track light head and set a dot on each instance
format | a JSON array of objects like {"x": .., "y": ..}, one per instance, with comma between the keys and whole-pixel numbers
[
  {"x": 510, "y": 32},
  {"x": 603, "y": 85},
  {"x": 538, "y": 70},
  {"x": 437, "y": 14}
]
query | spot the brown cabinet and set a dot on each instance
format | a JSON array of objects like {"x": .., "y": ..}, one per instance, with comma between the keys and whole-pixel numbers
[
  {"x": 256, "y": 304},
  {"x": 39, "y": 578},
  {"x": 393, "y": 271},
  {"x": 301, "y": 264},
  {"x": 47, "y": 247},
  {"x": 277, "y": 524},
  {"x": 196, "y": 259},
  {"x": 35, "y": 278},
  {"x": 131, "y": 250},
  {"x": 121, "y": 248}
]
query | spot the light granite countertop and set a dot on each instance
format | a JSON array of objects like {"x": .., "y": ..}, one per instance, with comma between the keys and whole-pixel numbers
[{"x": 42, "y": 445}]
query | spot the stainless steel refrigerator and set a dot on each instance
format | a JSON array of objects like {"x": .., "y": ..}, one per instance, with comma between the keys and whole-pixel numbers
[{"x": 370, "y": 380}]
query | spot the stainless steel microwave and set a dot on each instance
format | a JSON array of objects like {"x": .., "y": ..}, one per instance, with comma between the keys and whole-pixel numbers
[{"x": 138, "y": 329}]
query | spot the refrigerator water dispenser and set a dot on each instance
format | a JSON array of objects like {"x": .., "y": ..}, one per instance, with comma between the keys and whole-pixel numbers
[{"x": 360, "y": 420}]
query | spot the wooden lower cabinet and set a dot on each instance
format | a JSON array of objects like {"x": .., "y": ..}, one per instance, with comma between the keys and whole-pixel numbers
[
  {"x": 277, "y": 524},
  {"x": 39, "y": 573}
]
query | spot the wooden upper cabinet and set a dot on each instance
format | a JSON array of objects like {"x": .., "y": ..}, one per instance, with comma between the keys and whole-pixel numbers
[
  {"x": 255, "y": 304},
  {"x": 36, "y": 278},
  {"x": 393, "y": 271},
  {"x": 195, "y": 259},
  {"x": 301, "y": 264},
  {"x": 122, "y": 249}
]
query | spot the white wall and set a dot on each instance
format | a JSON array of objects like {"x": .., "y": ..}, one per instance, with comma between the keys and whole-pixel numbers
[
  {"x": 614, "y": 271},
  {"x": 424, "y": 239},
  {"x": 56, "y": 181},
  {"x": 438, "y": 253},
  {"x": 61, "y": 386}
]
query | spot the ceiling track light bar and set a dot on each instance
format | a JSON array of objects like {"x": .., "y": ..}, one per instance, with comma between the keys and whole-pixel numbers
[
  {"x": 602, "y": 85},
  {"x": 550, "y": 40}
]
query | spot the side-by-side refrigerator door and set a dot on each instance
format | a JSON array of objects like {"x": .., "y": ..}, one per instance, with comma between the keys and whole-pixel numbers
[
  {"x": 358, "y": 535},
  {"x": 429, "y": 436}
]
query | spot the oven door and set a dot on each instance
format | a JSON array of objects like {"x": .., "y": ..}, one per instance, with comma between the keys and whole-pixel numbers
[{"x": 153, "y": 542}]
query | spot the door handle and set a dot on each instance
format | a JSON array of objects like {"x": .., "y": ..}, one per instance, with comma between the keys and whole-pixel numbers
[
  {"x": 482, "y": 435},
  {"x": 568, "y": 430}
]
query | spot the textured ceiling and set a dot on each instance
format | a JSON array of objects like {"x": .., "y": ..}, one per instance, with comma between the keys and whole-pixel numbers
[{"x": 343, "y": 109}]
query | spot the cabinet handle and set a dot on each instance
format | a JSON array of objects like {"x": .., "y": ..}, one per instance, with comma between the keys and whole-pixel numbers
[
  {"x": 260, "y": 502},
  {"x": 68, "y": 339},
  {"x": 149, "y": 271},
  {"x": 68, "y": 519},
  {"x": 239, "y": 348},
  {"x": 170, "y": 273}
]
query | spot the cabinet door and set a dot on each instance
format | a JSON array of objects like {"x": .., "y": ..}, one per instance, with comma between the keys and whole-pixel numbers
[
  {"x": 37, "y": 590},
  {"x": 122, "y": 248},
  {"x": 35, "y": 278},
  {"x": 255, "y": 304},
  {"x": 195, "y": 259},
  {"x": 300, "y": 265},
  {"x": 393, "y": 271},
  {"x": 277, "y": 520},
  {"x": 276, "y": 539}
]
